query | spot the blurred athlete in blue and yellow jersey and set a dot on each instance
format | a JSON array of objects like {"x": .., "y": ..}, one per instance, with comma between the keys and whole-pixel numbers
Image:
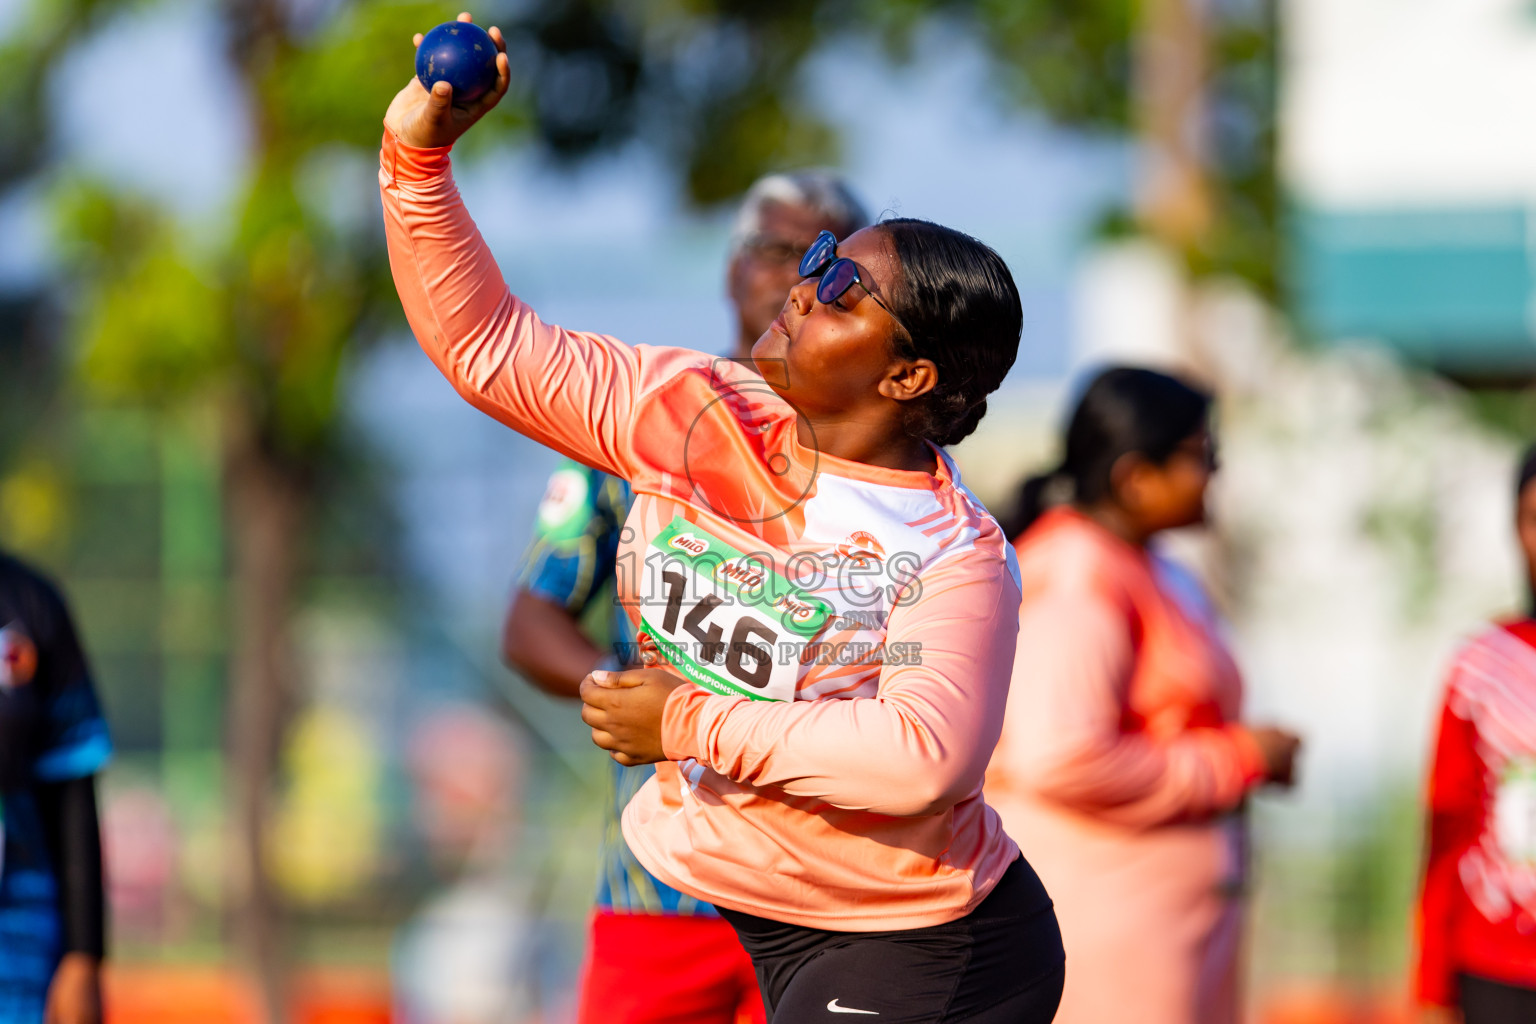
[
  {"x": 53, "y": 741},
  {"x": 655, "y": 954}
]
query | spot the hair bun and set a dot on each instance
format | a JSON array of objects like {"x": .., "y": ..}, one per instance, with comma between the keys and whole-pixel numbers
[
  {"x": 961, "y": 311},
  {"x": 965, "y": 425}
]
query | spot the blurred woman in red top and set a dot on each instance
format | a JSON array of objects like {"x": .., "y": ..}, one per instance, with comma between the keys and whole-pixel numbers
[
  {"x": 1477, "y": 909},
  {"x": 1123, "y": 765}
]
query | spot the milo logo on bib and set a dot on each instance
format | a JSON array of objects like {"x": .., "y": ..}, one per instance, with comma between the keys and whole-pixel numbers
[
  {"x": 745, "y": 574},
  {"x": 689, "y": 543},
  {"x": 726, "y": 619}
]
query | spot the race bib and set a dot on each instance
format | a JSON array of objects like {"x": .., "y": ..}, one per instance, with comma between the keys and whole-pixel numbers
[
  {"x": 725, "y": 619},
  {"x": 1514, "y": 811}
]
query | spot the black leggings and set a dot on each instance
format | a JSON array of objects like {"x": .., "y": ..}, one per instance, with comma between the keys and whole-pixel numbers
[
  {"x": 1492, "y": 1002},
  {"x": 1001, "y": 964}
]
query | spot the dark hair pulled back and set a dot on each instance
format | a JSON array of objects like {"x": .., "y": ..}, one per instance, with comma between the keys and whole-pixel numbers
[
  {"x": 1525, "y": 472},
  {"x": 1124, "y": 410},
  {"x": 960, "y": 304}
]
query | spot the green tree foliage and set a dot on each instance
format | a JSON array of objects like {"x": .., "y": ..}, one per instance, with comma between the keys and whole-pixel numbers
[
  {"x": 1244, "y": 144},
  {"x": 45, "y": 33},
  {"x": 262, "y": 307},
  {"x": 714, "y": 86},
  {"x": 717, "y": 85},
  {"x": 253, "y": 314},
  {"x": 27, "y": 375},
  {"x": 148, "y": 321},
  {"x": 720, "y": 87}
]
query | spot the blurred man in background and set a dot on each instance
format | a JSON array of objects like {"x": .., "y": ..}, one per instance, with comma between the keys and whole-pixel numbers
[
  {"x": 655, "y": 954},
  {"x": 53, "y": 741}
]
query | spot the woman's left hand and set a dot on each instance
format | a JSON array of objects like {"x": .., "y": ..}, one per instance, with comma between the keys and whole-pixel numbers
[{"x": 624, "y": 710}]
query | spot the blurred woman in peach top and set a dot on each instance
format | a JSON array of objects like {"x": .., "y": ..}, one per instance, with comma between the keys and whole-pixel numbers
[{"x": 1123, "y": 769}]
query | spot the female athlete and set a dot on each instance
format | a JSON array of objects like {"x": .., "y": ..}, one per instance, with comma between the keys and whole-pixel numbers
[
  {"x": 835, "y": 611},
  {"x": 1124, "y": 758}
]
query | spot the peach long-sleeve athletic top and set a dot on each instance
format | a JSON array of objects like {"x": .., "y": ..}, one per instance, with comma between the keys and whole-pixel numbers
[
  {"x": 849, "y": 628},
  {"x": 1120, "y": 762}
]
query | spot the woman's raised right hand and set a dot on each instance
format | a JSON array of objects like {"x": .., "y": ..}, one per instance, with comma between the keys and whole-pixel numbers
[
  {"x": 1279, "y": 748},
  {"x": 427, "y": 120}
]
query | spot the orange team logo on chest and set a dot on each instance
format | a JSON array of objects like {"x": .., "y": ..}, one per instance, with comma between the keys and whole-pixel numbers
[
  {"x": 861, "y": 548},
  {"x": 18, "y": 658}
]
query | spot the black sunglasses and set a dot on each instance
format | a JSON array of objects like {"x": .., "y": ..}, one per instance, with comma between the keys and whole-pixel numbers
[
  {"x": 837, "y": 273},
  {"x": 1202, "y": 450}
]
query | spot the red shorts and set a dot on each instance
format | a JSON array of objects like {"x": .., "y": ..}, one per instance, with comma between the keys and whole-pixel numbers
[{"x": 666, "y": 969}]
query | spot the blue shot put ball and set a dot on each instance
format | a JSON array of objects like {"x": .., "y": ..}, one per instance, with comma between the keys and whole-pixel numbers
[{"x": 461, "y": 54}]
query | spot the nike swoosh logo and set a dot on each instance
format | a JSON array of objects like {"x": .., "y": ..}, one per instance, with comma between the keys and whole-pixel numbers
[{"x": 848, "y": 1009}]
